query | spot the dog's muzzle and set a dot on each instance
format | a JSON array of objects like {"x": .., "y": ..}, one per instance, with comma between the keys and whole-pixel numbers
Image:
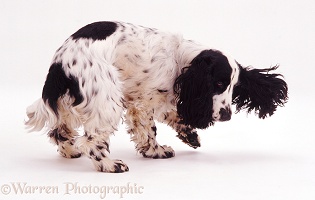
[{"x": 225, "y": 114}]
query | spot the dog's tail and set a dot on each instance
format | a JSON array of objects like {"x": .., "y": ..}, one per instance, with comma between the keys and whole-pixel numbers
[
  {"x": 39, "y": 116},
  {"x": 46, "y": 111}
]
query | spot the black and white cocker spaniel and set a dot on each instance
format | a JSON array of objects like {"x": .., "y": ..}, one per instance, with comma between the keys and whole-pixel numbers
[{"x": 106, "y": 68}]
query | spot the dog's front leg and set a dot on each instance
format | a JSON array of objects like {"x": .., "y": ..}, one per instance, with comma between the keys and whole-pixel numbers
[{"x": 187, "y": 134}]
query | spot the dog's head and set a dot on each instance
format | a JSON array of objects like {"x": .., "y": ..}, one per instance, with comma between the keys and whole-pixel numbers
[{"x": 207, "y": 88}]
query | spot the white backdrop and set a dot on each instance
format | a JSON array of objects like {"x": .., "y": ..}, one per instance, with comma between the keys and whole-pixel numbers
[{"x": 245, "y": 158}]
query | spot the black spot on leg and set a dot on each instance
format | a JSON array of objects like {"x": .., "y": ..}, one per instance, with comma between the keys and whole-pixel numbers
[
  {"x": 57, "y": 136},
  {"x": 145, "y": 71},
  {"x": 92, "y": 153},
  {"x": 76, "y": 155},
  {"x": 168, "y": 154},
  {"x": 223, "y": 102},
  {"x": 98, "y": 158},
  {"x": 99, "y": 147},
  {"x": 118, "y": 168},
  {"x": 101, "y": 167},
  {"x": 106, "y": 146},
  {"x": 166, "y": 116},
  {"x": 153, "y": 128},
  {"x": 90, "y": 138}
]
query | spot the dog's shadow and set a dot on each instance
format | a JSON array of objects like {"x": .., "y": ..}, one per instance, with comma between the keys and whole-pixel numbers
[
  {"x": 226, "y": 157},
  {"x": 83, "y": 164},
  {"x": 59, "y": 163}
]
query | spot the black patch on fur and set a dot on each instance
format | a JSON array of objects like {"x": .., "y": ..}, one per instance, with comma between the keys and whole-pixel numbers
[
  {"x": 260, "y": 91},
  {"x": 74, "y": 62},
  {"x": 96, "y": 31},
  {"x": 153, "y": 128},
  {"x": 99, "y": 147},
  {"x": 162, "y": 91},
  {"x": 119, "y": 168},
  {"x": 56, "y": 136},
  {"x": 195, "y": 87},
  {"x": 76, "y": 155},
  {"x": 58, "y": 84},
  {"x": 189, "y": 136},
  {"x": 98, "y": 159}
]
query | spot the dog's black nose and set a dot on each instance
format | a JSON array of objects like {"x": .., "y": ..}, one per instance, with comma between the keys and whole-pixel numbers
[{"x": 225, "y": 114}]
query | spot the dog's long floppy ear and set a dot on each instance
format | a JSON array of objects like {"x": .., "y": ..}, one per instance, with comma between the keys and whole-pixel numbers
[
  {"x": 260, "y": 91},
  {"x": 193, "y": 90}
]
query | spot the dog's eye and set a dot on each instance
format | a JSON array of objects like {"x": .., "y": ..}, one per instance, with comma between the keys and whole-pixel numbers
[{"x": 219, "y": 84}]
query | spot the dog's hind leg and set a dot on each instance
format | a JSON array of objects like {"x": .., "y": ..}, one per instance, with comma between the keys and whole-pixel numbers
[
  {"x": 187, "y": 134},
  {"x": 98, "y": 128},
  {"x": 143, "y": 132},
  {"x": 64, "y": 137},
  {"x": 100, "y": 113},
  {"x": 96, "y": 147}
]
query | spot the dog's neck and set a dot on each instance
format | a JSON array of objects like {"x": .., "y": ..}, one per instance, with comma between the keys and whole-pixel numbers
[{"x": 187, "y": 51}]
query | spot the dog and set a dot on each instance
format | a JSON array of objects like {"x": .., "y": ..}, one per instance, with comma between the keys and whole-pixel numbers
[{"x": 109, "y": 70}]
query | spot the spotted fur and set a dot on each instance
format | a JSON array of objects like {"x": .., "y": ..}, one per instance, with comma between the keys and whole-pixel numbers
[{"x": 108, "y": 67}]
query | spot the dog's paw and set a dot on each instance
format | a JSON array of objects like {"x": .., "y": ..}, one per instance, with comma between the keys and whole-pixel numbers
[
  {"x": 159, "y": 152},
  {"x": 71, "y": 156},
  {"x": 120, "y": 167},
  {"x": 191, "y": 139},
  {"x": 68, "y": 151},
  {"x": 112, "y": 166}
]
